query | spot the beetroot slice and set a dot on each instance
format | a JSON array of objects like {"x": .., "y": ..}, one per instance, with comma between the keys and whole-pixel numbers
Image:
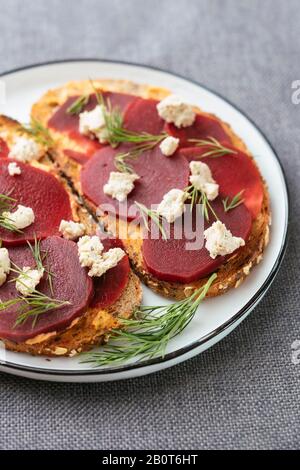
[
  {"x": 203, "y": 127},
  {"x": 158, "y": 175},
  {"x": 43, "y": 193},
  {"x": 234, "y": 173},
  {"x": 70, "y": 282},
  {"x": 4, "y": 150},
  {"x": 142, "y": 116},
  {"x": 109, "y": 287},
  {"x": 170, "y": 260},
  {"x": 61, "y": 121},
  {"x": 78, "y": 157}
]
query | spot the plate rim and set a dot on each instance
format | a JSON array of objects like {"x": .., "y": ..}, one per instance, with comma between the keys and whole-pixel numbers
[{"x": 224, "y": 326}]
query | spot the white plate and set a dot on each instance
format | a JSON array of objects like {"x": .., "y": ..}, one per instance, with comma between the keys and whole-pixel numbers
[{"x": 216, "y": 317}]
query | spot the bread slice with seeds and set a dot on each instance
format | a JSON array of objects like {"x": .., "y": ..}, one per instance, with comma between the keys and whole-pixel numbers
[
  {"x": 94, "y": 326},
  {"x": 236, "y": 268}
]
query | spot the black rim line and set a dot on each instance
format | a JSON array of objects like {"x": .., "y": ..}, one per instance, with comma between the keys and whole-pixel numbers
[{"x": 222, "y": 328}]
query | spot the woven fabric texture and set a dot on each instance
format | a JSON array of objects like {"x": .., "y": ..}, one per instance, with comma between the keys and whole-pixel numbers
[{"x": 244, "y": 392}]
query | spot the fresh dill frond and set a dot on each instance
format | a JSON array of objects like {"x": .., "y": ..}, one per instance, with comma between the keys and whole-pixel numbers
[
  {"x": 234, "y": 202},
  {"x": 6, "y": 204},
  {"x": 36, "y": 303},
  {"x": 154, "y": 216},
  {"x": 115, "y": 134},
  {"x": 195, "y": 196},
  {"x": 215, "y": 148},
  {"x": 39, "y": 132},
  {"x": 147, "y": 335},
  {"x": 121, "y": 159},
  {"x": 78, "y": 105}
]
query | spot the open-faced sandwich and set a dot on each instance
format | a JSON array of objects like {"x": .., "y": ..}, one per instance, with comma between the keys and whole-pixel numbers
[
  {"x": 111, "y": 175},
  {"x": 137, "y": 153},
  {"x": 63, "y": 283}
]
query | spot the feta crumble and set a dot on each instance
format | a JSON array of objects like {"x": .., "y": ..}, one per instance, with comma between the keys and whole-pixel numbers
[
  {"x": 107, "y": 261},
  {"x": 201, "y": 178},
  {"x": 90, "y": 251},
  {"x": 93, "y": 123},
  {"x": 220, "y": 241},
  {"x": 4, "y": 265},
  {"x": 169, "y": 146},
  {"x": 172, "y": 205},
  {"x": 120, "y": 185},
  {"x": 21, "y": 218},
  {"x": 25, "y": 150},
  {"x": 71, "y": 230},
  {"x": 13, "y": 169},
  {"x": 174, "y": 109},
  {"x": 28, "y": 280}
]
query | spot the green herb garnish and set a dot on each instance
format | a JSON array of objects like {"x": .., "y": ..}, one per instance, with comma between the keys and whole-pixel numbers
[
  {"x": 6, "y": 205},
  {"x": 40, "y": 133},
  {"x": 215, "y": 148},
  {"x": 234, "y": 202},
  {"x": 36, "y": 303},
  {"x": 147, "y": 335},
  {"x": 78, "y": 105},
  {"x": 154, "y": 216}
]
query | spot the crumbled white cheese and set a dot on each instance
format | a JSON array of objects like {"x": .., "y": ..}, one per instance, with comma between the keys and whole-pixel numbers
[
  {"x": 174, "y": 109},
  {"x": 201, "y": 178},
  {"x": 71, "y": 230},
  {"x": 4, "y": 265},
  {"x": 21, "y": 218},
  {"x": 107, "y": 261},
  {"x": 169, "y": 146},
  {"x": 13, "y": 169},
  {"x": 172, "y": 205},
  {"x": 90, "y": 251},
  {"x": 25, "y": 150},
  {"x": 93, "y": 122},
  {"x": 28, "y": 280},
  {"x": 220, "y": 241},
  {"x": 120, "y": 185}
]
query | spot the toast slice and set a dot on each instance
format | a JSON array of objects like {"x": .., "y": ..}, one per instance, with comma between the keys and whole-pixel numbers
[
  {"x": 236, "y": 268},
  {"x": 93, "y": 327}
]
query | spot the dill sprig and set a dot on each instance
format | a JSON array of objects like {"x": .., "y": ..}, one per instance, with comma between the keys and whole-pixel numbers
[
  {"x": 195, "y": 196},
  {"x": 40, "y": 133},
  {"x": 234, "y": 202},
  {"x": 152, "y": 215},
  {"x": 115, "y": 134},
  {"x": 33, "y": 305},
  {"x": 215, "y": 148},
  {"x": 120, "y": 159},
  {"x": 40, "y": 260},
  {"x": 78, "y": 105},
  {"x": 149, "y": 332},
  {"x": 6, "y": 204},
  {"x": 36, "y": 303}
]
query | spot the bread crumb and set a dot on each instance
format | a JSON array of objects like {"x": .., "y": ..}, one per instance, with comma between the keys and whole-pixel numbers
[
  {"x": 188, "y": 291},
  {"x": 247, "y": 268},
  {"x": 58, "y": 351},
  {"x": 40, "y": 338},
  {"x": 238, "y": 283},
  {"x": 258, "y": 259}
]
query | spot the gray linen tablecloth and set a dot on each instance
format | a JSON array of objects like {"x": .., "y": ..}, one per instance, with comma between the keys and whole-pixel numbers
[{"x": 244, "y": 392}]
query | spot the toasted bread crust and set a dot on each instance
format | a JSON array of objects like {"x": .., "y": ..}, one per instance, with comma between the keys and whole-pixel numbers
[
  {"x": 232, "y": 273},
  {"x": 88, "y": 330},
  {"x": 93, "y": 327}
]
